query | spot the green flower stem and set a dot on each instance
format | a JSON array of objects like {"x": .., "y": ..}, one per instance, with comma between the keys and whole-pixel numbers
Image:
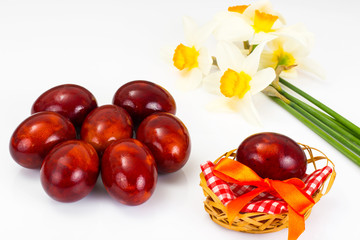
[
  {"x": 327, "y": 129},
  {"x": 325, "y": 122},
  {"x": 331, "y": 119},
  {"x": 349, "y": 154},
  {"x": 355, "y": 129}
]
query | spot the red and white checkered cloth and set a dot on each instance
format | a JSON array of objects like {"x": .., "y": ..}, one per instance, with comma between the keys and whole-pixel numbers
[{"x": 264, "y": 202}]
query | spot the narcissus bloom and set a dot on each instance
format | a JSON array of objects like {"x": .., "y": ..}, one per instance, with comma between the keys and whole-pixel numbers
[
  {"x": 238, "y": 79},
  {"x": 191, "y": 57},
  {"x": 290, "y": 50}
]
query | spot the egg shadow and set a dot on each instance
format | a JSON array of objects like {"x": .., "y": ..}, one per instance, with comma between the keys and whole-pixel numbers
[
  {"x": 175, "y": 178},
  {"x": 169, "y": 187},
  {"x": 99, "y": 191},
  {"x": 29, "y": 174},
  {"x": 26, "y": 182}
]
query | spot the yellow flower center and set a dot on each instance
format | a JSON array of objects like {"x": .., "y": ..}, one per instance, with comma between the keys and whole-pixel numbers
[
  {"x": 263, "y": 22},
  {"x": 234, "y": 84},
  {"x": 283, "y": 58},
  {"x": 185, "y": 57},
  {"x": 239, "y": 8}
]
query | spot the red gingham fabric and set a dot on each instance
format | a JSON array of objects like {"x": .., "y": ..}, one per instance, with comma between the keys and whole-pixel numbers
[
  {"x": 265, "y": 202},
  {"x": 218, "y": 186}
]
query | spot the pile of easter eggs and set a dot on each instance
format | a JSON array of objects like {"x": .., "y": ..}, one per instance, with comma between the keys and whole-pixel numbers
[{"x": 73, "y": 141}]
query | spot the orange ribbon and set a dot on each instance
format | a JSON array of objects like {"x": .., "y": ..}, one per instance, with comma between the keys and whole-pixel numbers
[{"x": 289, "y": 190}]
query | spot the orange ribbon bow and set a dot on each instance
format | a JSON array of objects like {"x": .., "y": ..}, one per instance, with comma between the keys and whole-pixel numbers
[{"x": 289, "y": 190}]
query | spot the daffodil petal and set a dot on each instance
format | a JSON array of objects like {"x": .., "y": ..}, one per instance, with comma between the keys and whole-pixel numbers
[
  {"x": 229, "y": 56},
  {"x": 311, "y": 66},
  {"x": 266, "y": 60},
  {"x": 190, "y": 28},
  {"x": 240, "y": 45},
  {"x": 167, "y": 54},
  {"x": 232, "y": 27},
  {"x": 261, "y": 80},
  {"x": 203, "y": 33},
  {"x": 205, "y": 60},
  {"x": 196, "y": 35},
  {"x": 211, "y": 82},
  {"x": 190, "y": 79},
  {"x": 247, "y": 109},
  {"x": 220, "y": 104},
  {"x": 244, "y": 106},
  {"x": 250, "y": 64},
  {"x": 261, "y": 37},
  {"x": 291, "y": 45},
  {"x": 302, "y": 39}
]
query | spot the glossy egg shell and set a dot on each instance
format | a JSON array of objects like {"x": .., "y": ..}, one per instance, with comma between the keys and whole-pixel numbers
[
  {"x": 129, "y": 172},
  {"x": 72, "y": 101},
  {"x": 168, "y": 139},
  {"x": 37, "y": 135},
  {"x": 273, "y": 155},
  {"x": 106, "y": 124},
  {"x": 142, "y": 98},
  {"x": 70, "y": 170}
]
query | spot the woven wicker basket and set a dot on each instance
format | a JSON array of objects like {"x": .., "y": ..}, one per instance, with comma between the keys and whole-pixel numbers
[{"x": 256, "y": 222}]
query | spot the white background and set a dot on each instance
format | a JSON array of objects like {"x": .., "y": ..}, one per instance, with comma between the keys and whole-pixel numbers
[{"x": 104, "y": 44}]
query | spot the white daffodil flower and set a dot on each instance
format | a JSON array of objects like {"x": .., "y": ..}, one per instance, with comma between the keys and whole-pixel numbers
[
  {"x": 256, "y": 23},
  {"x": 192, "y": 58},
  {"x": 290, "y": 50},
  {"x": 238, "y": 80}
]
